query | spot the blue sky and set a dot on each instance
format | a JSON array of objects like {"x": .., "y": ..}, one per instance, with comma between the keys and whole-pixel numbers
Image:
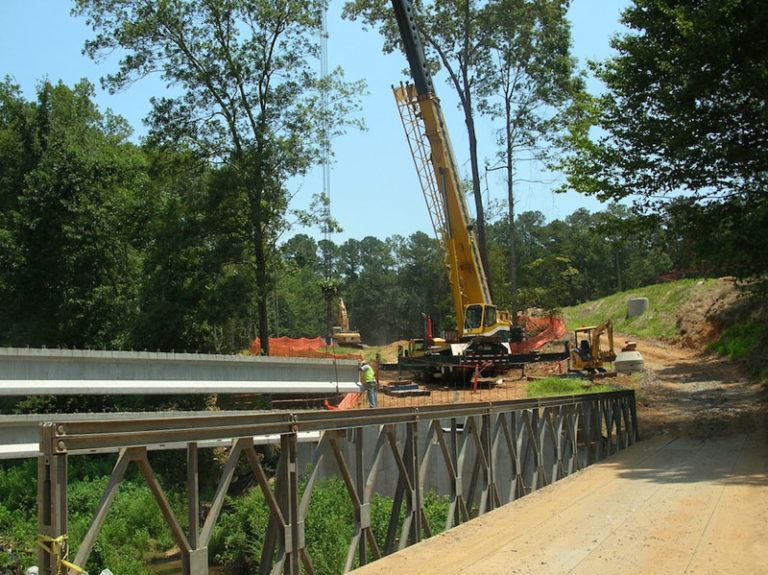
[{"x": 373, "y": 185}]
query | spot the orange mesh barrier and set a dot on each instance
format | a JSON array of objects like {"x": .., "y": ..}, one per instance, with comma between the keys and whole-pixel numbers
[
  {"x": 298, "y": 347},
  {"x": 349, "y": 401},
  {"x": 550, "y": 328}
]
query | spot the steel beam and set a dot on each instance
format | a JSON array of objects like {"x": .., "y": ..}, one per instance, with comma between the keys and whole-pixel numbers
[{"x": 19, "y": 434}]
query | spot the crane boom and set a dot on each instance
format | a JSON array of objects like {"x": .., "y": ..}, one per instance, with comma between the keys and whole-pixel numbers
[{"x": 426, "y": 130}]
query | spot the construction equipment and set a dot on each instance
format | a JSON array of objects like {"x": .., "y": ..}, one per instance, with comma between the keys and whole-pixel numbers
[
  {"x": 592, "y": 347},
  {"x": 483, "y": 331},
  {"x": 440, "y": 179},
  {"x": 341, "y": 332}
]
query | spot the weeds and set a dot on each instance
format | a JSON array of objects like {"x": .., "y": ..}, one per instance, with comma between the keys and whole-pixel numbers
[
  {"x": 741, "y": 341},
  {"x": 554, "y": 386}
]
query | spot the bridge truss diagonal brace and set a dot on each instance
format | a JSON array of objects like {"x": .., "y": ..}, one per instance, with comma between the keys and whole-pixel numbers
[{"x": 563, "y": 434}]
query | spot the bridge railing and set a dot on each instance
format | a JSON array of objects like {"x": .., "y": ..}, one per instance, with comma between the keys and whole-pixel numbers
[{"x": 483, "y": 456}]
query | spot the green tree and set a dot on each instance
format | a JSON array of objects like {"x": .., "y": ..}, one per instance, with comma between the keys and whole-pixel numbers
[
  {"x": 424, "y": 285},
  {"x": 684, "y": 113},
  {"x": 529, "y": 82},
  {"x": 454, "y": 35},
  {"x": 372, "y": 290},
  {"x": 178, "y": 267},
  {"x": 300, "y": 305},
  {"x": 531, "y": 243},
  {"x": 76, "y": 226},
  {"x": 247, "y": 97},
  {"x": 18, "y": 155}
]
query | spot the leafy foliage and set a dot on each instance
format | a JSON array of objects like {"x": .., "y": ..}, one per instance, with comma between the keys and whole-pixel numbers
[
  {"x": 107, "y": 244},
  {"x": 238, "y": 538},
  {"x": 248, "y": 99},
  {"x": 684, "y": 116},
  {"x": 742, "y": 341},
  {"x": 685, "y": 99},
  {"x": 134, "y": 529},
  {"x": 73, "y": 224},
  {"x": 18, "y": 518}
]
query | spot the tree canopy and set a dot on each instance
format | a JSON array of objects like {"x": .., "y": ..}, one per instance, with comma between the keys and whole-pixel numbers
[
  {"x": 683, "y": 124},
  {"x": 517, "y": 51},
  {"x": 684, "y": 108},
  {"x": 175, "y": 244},
  {"x": 249, "y": 98}
]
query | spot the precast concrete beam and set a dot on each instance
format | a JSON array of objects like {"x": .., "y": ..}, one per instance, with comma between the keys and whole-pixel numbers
[
  {"x": 86, "y": 372},
  {"x": 169, "y": 387}
]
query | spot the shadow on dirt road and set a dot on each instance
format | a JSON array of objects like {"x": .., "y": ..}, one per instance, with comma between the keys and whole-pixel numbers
[{"x": 691, "y": 394}]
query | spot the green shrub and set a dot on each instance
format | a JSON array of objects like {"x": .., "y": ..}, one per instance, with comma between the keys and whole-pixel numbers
[
  {"x": 238, "y": 538},
  {"x": 329, "y": 524},
  {"x": 18, "y": 513},
  {"x": 133, "y": 532},
  {"x": 741, "y": 341},
  {"x": 436, "y": 508}
]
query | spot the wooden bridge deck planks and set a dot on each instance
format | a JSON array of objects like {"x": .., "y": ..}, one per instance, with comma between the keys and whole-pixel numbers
[{"x": 665, "y": 505}]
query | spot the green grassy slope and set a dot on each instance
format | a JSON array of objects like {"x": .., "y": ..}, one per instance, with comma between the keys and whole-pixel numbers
[
  {"x": 715, "y": 314},
  {"x": 660, "y": 321}
]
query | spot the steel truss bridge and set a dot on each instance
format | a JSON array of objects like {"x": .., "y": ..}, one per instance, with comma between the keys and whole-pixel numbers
[{"x": 487, "y": 454}]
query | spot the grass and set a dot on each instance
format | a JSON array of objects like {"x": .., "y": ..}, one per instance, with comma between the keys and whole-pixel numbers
[
  {"x": 741, "y": 341},
  {"x": 554, "y": 386},
  {"x": 338, "y": 350},
  {"x": 659, "y": 321}
]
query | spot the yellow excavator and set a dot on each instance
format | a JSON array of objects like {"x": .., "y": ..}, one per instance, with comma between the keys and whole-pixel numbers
[
  {"x": 341, "y": 332},
  {"x": 592, "y": 347}
]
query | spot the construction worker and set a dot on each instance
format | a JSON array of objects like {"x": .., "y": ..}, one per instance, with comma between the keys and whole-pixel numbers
[{"x": 369, "y": 377}]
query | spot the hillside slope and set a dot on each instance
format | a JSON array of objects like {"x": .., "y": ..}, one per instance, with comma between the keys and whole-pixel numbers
[{"x": 689, "y": 312}]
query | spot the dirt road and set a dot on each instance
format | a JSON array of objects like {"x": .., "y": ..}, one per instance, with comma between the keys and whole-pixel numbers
[
  {"x": 692, "y": 497},
  {"x": 690, "y": 394}
]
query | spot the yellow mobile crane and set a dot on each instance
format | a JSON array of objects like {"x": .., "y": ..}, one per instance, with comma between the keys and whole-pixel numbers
[
  {"x": 439, "y": 177},
  {"x": 484, "y": 332}
]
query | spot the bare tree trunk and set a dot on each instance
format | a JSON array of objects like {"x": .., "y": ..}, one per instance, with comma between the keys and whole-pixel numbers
[
  {"x": 479, "y": 210},
  {"x": 512, "y": 231}
]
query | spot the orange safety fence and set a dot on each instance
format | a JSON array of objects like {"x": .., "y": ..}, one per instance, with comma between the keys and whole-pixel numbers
[
  {"x": 299, "y": 347},
  {"x": 308, "y": 347},
  {"x": 550, "y": 328},
  {"x": 349, "y": 401}
]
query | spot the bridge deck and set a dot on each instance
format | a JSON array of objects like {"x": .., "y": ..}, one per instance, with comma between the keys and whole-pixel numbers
[{"x": 663, "y": 506}]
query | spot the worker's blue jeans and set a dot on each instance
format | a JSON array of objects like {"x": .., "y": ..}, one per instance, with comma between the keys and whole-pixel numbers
[{"x": 371, "y": 394}]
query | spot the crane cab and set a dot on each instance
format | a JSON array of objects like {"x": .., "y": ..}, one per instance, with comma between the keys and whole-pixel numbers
[{"x": 486, "y": 320}]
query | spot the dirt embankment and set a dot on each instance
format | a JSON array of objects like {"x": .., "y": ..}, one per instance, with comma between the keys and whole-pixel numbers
[
  {"x": 708, "y": 312},
  {"x": 686, "y": 391}
]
